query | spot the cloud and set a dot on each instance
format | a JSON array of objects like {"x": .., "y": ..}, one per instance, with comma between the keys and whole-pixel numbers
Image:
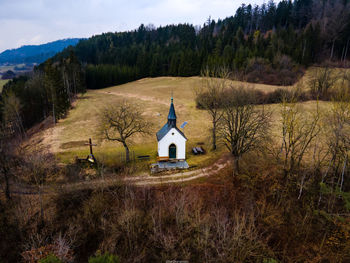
[{"x": 40, "y": 21}]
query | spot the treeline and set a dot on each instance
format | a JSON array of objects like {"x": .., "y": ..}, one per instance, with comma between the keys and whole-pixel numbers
[
  {"x": 50, "y": 90},
  {"x": 104, "y": 75},
  {"x": 323, "y": 84},
  {"x": 266, "y": 43}
]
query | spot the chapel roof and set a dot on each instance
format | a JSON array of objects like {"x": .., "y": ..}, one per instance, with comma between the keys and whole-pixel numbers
[
  {"x": 164, "y": 131},
  {"x": 170, "y": 124},
  {"x": 172, "y": 115}
]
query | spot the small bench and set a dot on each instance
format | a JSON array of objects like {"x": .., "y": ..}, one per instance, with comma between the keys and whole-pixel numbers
[
  {"x": 90, "y": 159},
  {"x": 198, "y": 150},
  {"x": 162, "y": 159},
  {"x": 143, "y": 157}
]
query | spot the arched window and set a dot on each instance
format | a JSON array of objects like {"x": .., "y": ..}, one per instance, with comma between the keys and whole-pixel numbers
[{"x": 172, "y": 151}]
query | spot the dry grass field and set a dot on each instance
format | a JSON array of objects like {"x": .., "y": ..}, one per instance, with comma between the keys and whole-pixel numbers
[{"x": 67, "y": 139}]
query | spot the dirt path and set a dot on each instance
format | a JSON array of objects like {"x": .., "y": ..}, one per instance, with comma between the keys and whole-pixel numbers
[
  {"x": 149, "y": 180},
  {"x": 140, "y": 180},
  {"x": 136, "y": 96},
  {"x": 180, "y": 176}
]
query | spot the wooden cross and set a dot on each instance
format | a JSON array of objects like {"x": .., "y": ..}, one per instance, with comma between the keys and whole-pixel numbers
[{"x": 90, "y": 144}]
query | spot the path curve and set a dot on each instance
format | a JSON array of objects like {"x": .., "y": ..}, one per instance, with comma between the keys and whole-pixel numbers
[
  {"x": 136, "y": 96},
  {"x": 180, "y": 176},
  {"x": 141, "y": 180}
]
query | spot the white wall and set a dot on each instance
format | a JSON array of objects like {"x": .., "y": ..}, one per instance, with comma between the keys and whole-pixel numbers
[{"x": 167, "y": 140}]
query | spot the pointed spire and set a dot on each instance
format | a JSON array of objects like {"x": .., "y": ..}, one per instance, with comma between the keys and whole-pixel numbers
[{"x": 172, "y": 115}]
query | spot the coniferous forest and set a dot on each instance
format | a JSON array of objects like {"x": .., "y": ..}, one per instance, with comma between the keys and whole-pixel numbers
[
  {"x": 270, "y": 44},
  {"x": 278, "y": 39}
]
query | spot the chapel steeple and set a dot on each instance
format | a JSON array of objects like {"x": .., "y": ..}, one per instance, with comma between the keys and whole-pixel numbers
[{"x": 172, "y": 115}]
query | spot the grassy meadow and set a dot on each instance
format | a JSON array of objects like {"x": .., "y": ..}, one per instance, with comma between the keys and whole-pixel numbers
[{"x": 67, "y": 139}]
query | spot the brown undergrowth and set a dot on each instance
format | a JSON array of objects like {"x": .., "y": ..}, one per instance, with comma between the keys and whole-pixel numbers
[{"x": 248, "y": 217}]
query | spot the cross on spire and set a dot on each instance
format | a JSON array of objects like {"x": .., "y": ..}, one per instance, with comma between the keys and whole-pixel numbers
[{"x": 172, "y": 115}]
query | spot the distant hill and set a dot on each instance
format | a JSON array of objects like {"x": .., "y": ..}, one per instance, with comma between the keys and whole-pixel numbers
[{"x": 36, "y": 53}]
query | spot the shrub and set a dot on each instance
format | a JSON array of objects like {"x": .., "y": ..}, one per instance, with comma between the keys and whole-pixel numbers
[
  {"x": 282, "y": 72},
  {"x": 50, "y": 259},
  {"x": 322, "y": 82},
  {"x": 105, "y": 258}
]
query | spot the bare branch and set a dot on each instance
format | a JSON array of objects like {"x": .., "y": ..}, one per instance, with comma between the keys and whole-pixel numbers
[{"x": 119, "y": 123}]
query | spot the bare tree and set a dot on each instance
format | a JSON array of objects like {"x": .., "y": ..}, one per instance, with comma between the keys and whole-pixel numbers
[
  {"x": 9, "y": 148},
  {"x": 5, "y": 160},
  {"x": 12, "y": 114},
  {"x": 338, "y": 142},
  {"x": 38, "y": 166},
  {"x": 244, "y": 125},
  {"x": 298, "y": 132},
  {"x": 119, "y": 123},
  {"x": 209, "y": 97},
  {"x": 322, "y": 80}
]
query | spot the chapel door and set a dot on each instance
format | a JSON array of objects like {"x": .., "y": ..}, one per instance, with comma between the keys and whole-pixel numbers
[{"x": 172, "y": 151}]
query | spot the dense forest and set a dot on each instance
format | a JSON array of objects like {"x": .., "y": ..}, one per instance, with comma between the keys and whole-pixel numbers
[
  {"x": 50, "y": 90},
  {"x": 257, "y": 43},
  {"x": 271, "y": 43}
]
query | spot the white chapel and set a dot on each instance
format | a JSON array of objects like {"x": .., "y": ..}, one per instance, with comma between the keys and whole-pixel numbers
[{"x": 171, "y": 143}]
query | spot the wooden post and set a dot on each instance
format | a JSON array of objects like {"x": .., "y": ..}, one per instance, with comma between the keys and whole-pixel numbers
[
  {"x": 91, "y": 155},
  {"x": 90, "y": 144}
]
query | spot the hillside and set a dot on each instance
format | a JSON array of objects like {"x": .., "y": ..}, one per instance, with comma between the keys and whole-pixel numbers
[
  {"x": 208, "y": 212},
  {"x": 67, "y": 139},
  {"x": 35, "y": 53}
]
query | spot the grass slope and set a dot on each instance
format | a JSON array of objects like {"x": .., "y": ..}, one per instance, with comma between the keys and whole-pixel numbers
[{"x": 68, "y": 137}]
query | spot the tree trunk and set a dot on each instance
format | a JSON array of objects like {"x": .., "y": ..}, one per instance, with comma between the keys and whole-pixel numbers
[
  {"x": 214, "y": 135},
  {"x": 53, "y": 114},
  {"x": 7, "y": 185},
  {"x": 41, "y": 206},
  {"x": 127, "y": 152},
  {"x": 236, "y": 165},
  {"x": 342, "y": 174},
  {"x": 301, "y": 186},
  {"x": 332, "y": 50},
  {"x": 20, "y": 124},
  {"x": 304, "y": 50},
  {"x": 342, "y": 54},
  {"x": 346, "y": 50}
]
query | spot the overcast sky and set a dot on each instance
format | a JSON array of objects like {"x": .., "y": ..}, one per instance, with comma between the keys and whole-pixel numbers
[{"x": 27, "y": 22}]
